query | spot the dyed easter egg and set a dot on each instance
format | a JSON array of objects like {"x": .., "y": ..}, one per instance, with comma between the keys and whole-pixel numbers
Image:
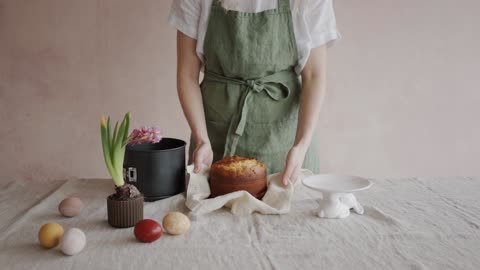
[
  {"x": 50, "y": 234},
  {"x": 147, "y": 230},
  {"x": 176, "y": 223},
  {"x": 70, "y": 207},
  {"x": 73, "y": 241}
]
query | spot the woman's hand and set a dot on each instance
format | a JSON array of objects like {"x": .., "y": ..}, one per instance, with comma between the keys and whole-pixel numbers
[
  {"x": 293, "y": 164},
  {"x": 203, "y": 155}
]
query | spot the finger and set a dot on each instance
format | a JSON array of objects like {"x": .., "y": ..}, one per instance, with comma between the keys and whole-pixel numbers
[
  {"x": 196, "y": 168},
  {"x": 196, "y": 165},
  {"x": 295, "y": 175},
  {"x": 206, "y": 160},
  {"x": 287, "y": 173}
]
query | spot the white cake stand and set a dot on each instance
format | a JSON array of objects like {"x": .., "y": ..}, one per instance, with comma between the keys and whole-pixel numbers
[{"x": 337, "y": 191}]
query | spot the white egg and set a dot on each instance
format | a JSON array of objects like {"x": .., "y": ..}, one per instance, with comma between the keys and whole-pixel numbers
[{"x": 73, "y": 241}]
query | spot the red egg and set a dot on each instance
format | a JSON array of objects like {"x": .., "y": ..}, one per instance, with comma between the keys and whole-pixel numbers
[{"x": 147, "y": 230}]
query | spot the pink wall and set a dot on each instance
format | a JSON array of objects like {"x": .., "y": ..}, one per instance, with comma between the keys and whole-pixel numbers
[{"x": 403, "y": 94}]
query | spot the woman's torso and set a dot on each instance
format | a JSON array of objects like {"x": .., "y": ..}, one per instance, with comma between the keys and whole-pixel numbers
[{"x": 313, "y": 21}]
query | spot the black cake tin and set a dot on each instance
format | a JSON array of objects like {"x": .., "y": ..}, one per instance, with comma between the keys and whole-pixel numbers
[{"x": 157, "y": 170}]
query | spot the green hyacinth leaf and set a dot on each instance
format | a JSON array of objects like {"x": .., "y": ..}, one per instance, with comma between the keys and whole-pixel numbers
[
  {"x": 115, "y": 131},
  {"x": 106, "y": 147}
]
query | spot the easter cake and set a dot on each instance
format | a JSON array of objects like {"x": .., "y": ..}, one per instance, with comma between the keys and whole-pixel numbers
[{"x": 238, "y": 173}]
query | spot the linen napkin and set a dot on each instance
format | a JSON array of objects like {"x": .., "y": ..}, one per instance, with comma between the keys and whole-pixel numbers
[{"x": 275, "y": 201}]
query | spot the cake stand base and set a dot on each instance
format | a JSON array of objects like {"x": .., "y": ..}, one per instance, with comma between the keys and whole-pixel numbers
[{"x": 338, "y": 205}]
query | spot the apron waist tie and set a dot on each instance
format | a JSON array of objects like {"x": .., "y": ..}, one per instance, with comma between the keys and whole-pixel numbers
[{"x": 273, "y": 85}]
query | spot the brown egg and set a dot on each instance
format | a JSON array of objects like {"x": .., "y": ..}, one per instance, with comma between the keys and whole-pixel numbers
[
  {"x": 70, "y": 207},
  {"x": 176, "y": 223}
]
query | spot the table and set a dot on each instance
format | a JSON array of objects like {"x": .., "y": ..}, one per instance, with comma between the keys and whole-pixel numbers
[{"x": 409, "y": 223}]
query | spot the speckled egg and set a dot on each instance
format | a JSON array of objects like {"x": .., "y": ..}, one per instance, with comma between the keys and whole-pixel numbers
[
  {"x": 176, "y": 223},
  {"x": 50, "y": 235},
  {"x": 70, "y": 207},
  {"x": 73, "y": 241}
]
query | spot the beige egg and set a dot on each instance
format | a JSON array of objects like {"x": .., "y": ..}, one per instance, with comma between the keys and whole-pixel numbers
[
  {"x": 50, "y": 234},
  {"x": 70, "y": 207},
  {"x": 176, "y": 223}
]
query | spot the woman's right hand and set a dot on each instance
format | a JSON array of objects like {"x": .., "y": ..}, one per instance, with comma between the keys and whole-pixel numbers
[{"x": 202, "y": 156}]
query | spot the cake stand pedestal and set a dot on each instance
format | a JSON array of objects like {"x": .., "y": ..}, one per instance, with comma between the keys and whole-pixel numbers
[{"x": 337, "y": 191}]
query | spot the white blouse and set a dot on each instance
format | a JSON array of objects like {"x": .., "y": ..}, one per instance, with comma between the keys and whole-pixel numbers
[{"x": 313, "y": 21}]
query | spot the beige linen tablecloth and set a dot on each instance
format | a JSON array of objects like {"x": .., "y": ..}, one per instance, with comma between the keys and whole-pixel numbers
[{"x": 411, "y": 223}]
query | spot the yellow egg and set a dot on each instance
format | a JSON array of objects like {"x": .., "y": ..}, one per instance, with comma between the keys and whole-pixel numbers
[
  {"x": 50, "y": 234},
  {"x": 176, "y": 223}
]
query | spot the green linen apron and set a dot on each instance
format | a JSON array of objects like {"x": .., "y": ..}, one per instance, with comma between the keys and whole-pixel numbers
[{"x": 250, "y": 90}]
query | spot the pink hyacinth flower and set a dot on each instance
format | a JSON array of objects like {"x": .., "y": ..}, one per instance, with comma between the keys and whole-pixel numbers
[{"x": 145, "y": 135}]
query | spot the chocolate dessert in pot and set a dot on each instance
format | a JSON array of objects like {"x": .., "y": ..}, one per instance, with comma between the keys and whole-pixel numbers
[{"x": 238, "y": 173}]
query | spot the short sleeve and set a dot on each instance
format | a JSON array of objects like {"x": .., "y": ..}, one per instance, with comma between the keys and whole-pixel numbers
[
  {"x": 185, "y": 16},
  {"x": 321, "y": 23}
]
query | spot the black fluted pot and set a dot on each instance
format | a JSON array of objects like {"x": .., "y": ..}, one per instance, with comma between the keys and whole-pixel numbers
[{"x": 157, "y": 170}]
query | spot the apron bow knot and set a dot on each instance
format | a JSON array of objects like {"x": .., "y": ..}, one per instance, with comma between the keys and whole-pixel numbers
[
  {"x": 274, "y": 87},
  {"x": 255, "y": 85},
  {"x": 275, "y": 90}
]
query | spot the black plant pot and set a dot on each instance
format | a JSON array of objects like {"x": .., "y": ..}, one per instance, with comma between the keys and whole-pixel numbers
[{"x": 157, "y": 170}]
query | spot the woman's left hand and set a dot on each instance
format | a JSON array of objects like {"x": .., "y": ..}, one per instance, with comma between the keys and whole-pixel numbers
[{"x": 293, "y": 164}]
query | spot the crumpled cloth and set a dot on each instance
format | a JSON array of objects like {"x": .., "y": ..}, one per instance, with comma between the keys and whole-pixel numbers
[{"x": 275, "y": 201}]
